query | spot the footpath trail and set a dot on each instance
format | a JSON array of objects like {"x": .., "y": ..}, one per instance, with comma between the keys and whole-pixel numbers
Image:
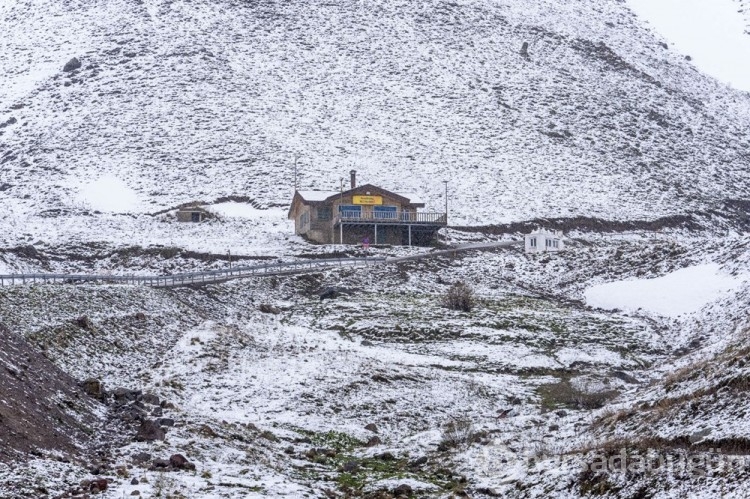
[{"x": 238, "y": 272}]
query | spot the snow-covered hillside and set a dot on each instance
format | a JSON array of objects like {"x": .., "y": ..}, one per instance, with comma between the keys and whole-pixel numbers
[
  {"x": 194, "y": 100},
  {"x": 574, "y": 114}
]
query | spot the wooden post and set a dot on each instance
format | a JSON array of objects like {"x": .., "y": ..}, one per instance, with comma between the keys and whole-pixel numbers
[{"x": 409, "y": 235}]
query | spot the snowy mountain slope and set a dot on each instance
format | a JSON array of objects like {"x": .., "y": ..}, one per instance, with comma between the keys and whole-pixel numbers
[{"x": 188, "y": 100}]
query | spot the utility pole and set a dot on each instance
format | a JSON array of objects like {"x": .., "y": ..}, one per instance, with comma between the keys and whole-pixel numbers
[
  {"x": 446, "y": 202},
  {"x": 229, "y": 257},
  {"x": 296, "y": 157}
]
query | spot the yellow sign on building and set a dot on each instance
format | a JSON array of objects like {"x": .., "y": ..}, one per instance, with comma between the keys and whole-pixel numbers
[{"x": 367, "y": 200}]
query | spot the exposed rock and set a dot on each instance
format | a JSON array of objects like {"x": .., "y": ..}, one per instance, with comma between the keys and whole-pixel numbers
[
  {"x": 385, "y": 456},
  {"x": 130, "y": 413},
  {"x": 372, "y": 427},
  {"x": 157, "y": 412},
  {"x": 149, "y": 431},
  {"x": 141, "y": 457},
  {"x": 134, "y": 481},
  {"x": 525, "y": 50},
  {"x": 373, "y": 441},
  {"x": 179, "y": 462},
  {"x": 72, "y": 65},
  {"x": 330, "y": 293},
  {"x": 159, "y": 464},
  {"x": 269, "y": 309},
  {"x": 166, "y": 422},
  {"x": 150, "y": 398},
  {"x": 123, "y": 395},
  {"x": 10, "y": 121},
  {"x": 94, "y": 388},
  {"x": 403, "y": 490},
  {"x": 85, "y": 323},
  {"x": 98, "y": 485},
  {"x": 207, "y": 431}
]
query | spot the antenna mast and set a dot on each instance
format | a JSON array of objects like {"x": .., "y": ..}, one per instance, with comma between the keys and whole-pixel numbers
[{"x": 296, "y": 183}]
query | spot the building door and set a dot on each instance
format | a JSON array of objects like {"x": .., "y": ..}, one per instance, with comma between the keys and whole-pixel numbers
[{"x": 195, "y": 216}]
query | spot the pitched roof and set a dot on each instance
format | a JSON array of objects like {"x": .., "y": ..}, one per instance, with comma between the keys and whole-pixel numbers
[
  {"x": 317, "y": 196},
  {"x": 320, "y": 196}
]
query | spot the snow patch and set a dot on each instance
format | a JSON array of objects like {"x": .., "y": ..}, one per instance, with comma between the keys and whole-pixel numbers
[
  {"x": 109, "y": 194},
  {"x": 238, "y": 210},
  {"x": 682, "y": 292}
]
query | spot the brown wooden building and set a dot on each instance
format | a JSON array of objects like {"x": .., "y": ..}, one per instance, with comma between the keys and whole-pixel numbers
[{"x": 364, "y": 214}]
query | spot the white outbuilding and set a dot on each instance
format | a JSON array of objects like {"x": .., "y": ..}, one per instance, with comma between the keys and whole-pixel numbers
[{"x": 543, "y": 241}]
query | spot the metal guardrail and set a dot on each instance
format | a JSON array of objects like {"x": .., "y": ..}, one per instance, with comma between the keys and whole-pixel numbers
[
  {"x": 221, "y": 275},
  {"x": 204, "y": 277}
]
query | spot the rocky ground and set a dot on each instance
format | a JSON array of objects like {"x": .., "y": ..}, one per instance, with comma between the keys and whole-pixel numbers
[{"x": 261, "y": 388}]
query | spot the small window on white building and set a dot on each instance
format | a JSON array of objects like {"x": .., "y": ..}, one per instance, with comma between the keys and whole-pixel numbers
[{"x": 532, "y": 242}]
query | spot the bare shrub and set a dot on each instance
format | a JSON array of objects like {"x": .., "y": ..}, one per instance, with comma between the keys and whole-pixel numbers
[
  {"x": 455, "y": 433},
  {"x": 460, "y": 296}
]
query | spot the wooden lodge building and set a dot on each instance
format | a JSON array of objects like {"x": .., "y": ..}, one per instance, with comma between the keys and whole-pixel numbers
[{"x": 364, "y": 214}]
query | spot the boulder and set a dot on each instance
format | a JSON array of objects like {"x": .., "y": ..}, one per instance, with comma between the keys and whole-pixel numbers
[
  {"x": 123, "y": 395},
  {"x": 159, "y": 464},
  {"x": 179, "y": 462},
  {"x": 166, "y": 422},
  {"x": 372, "y": 427},
  {"x": 72, "y": 65},
  {"x": 141, "y": 457},
  {"x": 403, "y": 490},
  {"x": 98, "y": 485},
  {"x": 149, "y": 431},
  {"x": 269, "y": 309},
  {"x": 94, "y": 388},
  {"x": 151, "y": 399}
]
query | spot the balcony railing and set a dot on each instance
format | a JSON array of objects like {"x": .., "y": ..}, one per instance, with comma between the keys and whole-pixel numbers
[{"x": 393, "y": 217}]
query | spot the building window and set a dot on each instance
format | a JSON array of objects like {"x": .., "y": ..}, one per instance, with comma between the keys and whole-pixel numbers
[
  {"x": 350, "y": 211},
  {"x": 195, "y": 216},
  {"x": 304, "y": 219},
  {"x": 532, "y": 242},
  {"x": 385, "y": 212},
  {"x": 325, "y": 213}
]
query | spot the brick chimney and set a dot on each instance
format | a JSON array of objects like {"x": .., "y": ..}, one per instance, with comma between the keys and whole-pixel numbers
[{"x": 353, "y": 174}]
